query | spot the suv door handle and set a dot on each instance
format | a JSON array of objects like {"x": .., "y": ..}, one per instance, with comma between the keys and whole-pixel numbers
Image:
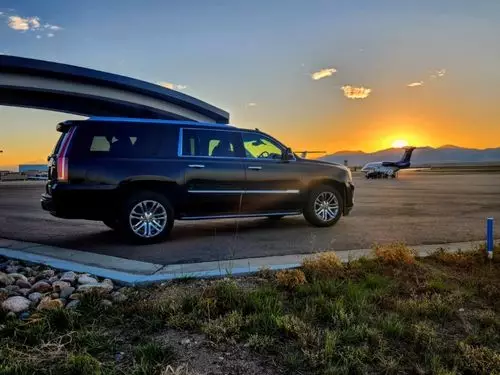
[
  {"x": 255, "y": 168},
  {"x": 197, "y": 166}
]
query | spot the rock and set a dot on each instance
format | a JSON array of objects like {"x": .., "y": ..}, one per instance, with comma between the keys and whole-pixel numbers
[
  {"x": 35, "y": 297},
  {"x": 42, "y": 287},
  {"x": 72, "y": 305},
  {"x": 75, "y": 296},
  {"x": 13, "y": 290},
  {"x": 25, "y": 315},
  {"x": 109, "y": 282},
  {"x": 86, "y": 279},
  {"x": 54, "y": 295},
  {"x": 28, "y": 271},
  {"x": 16, "y": 304},
  {"x": 95, "y": 287},
  {"x": 118, "y": 297},
  {"x": 12, "y": 269},
  {"x": 69, "y": 277},
  {"x": 48, "y": 273},
  {"x": 24, "y": 291},
  {"x": 50, "y": 304},
  {"x": 6, "y": 280},
  {"x": 18, "y": 276},
  {"x": 32, "y": 280},
  {"x": 185, "y": 341},
  {"x": 53, "y": 279},
  {"x": 23, "y": 284},
  {"x": 106, "y": 303},
  {"x": 119, "y": 356},
  {"x": 4, "y": 293},
  {"x": 11, "y": 315},
  {"x": 57, "y": 286},
  {"x": 66, "y": 292}
]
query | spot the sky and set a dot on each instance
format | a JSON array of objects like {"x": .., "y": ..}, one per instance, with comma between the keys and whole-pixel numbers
[{"x": 316, "y": 74}]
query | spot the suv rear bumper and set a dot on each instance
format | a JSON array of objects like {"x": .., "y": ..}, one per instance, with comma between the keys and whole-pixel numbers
[
  {"x": 48, "y": 203},
  {"x": 349, "y": 198}
]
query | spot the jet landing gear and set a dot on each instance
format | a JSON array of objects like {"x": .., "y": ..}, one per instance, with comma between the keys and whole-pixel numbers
[{"x": 379, "y": 175}]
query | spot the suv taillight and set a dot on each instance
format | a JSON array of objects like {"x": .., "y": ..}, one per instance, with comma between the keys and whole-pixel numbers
[{"x": 62, "y": 159}]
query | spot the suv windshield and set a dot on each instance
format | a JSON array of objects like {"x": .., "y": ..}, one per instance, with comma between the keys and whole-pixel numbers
[{"x": 261, "y": 147}]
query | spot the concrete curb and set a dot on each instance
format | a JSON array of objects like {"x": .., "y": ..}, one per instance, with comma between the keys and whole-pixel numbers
[{"x": 133, "y": 272}]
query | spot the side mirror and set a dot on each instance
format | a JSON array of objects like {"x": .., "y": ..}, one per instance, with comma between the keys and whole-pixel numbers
[{"x": 288, "y": 154}]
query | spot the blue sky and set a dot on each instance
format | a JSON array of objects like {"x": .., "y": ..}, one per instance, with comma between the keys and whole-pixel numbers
[{"x": 233, "y": 53}]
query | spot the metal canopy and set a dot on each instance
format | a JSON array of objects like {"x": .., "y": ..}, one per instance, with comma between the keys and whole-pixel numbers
[{"x": 66, "y": 88}]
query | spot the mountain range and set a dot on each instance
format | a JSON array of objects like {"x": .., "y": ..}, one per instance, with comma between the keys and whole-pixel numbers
[{"x": 421, "y": 155}]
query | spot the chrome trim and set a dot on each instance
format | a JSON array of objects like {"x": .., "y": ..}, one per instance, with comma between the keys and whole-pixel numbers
[
  {"x": 289, "y": 191},
  {"x": 179, "y": 146},
  {"x": 198, "y": 166},
  {"x": 255, "y": 168},
  {"x": 236, "y": 216}
]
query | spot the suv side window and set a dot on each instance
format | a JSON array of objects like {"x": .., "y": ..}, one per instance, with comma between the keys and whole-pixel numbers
[
  {"x": 211, "y": 143},
  {"x": 119, "y": 141},
  {"x": 259, "y": 146}
]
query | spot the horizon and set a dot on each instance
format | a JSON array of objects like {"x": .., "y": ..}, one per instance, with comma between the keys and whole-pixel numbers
[{"x": 329, "y": 75}]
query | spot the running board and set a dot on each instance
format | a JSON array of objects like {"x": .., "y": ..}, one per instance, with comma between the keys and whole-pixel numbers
[{"x": 240, "y": 216}]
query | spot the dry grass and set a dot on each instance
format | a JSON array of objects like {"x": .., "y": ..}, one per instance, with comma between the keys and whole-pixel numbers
[
  {"x": 397, "y": 253},
  {"x": 322, "y": 265},
  {"x": 290, "y": 279}
]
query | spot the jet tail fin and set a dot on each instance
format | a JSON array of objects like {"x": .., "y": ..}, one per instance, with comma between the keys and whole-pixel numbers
[{"x": 407, "y": 155}]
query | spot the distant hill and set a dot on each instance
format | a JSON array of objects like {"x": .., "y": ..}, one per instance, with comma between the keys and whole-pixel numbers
[{"x": 421, "y": 156}]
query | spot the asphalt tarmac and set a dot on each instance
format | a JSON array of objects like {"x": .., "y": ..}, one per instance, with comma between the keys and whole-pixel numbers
[{"x": 417, "y": 208}]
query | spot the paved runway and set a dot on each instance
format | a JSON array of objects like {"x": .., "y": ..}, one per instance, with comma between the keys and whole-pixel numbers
[{"x": 417, "y": 208}]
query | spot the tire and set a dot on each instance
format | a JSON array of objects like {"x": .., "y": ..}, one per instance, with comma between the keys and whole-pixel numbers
[
  {"x": 135, "y": 213},
  {"x": 330, "y": 214},
  {"x": 112, "y": 224}
]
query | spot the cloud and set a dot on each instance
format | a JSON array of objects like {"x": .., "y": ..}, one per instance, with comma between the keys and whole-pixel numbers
[
  {"x": 52, "y": 27},
  {"x": 50, "y": 35},
  {"x": 251, "y": 104},
  {"x": 353, "y": 92},
  {"x": 441, "y": 72},
  {"x": 34, "y": 23},
  {"x": 172, "y": 86},
  {"x": 415, "y": 84},
  {"x": 39, "y": 37},
  {"x": 19, "y": 23},
  {"x": 323, "y": 73}
]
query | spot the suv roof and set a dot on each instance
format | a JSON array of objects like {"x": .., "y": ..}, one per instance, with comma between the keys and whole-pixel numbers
[{"x": 141, "y": 121}]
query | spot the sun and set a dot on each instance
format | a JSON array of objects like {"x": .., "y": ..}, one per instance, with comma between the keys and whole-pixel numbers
[{"x": 399, "y": 143}]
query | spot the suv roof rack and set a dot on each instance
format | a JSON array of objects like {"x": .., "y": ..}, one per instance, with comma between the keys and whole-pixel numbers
[{"x": 143, "y": 120}]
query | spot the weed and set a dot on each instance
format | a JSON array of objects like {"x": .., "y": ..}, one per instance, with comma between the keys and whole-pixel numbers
[
  {"x": 224, "y": 328},
  {"x": 261, "y": 343},
  {"x": 322, "y": 265},
  {"x": 265, "y": 273},
  {"x": 396, "y": 253},
  {"x": 392, "y": 326},
  {"x": 434, "y": 307},
  {"x": 82, "y": 364},
  {"x": 424, "y": 334},
  {"x": 154, "y": 353},
  {"x": 479, "y": 360},
  {"x": 290, "y": 279},
  {"x": 293, "y": 327},
  {"x": 263, "y": 299}
]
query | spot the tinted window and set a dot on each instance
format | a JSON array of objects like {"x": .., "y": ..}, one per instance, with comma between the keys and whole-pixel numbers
[
  {"x": 261, "y": 147},
  {"x": 215, "y": 143},
  {"x": 119, "y": 140}
]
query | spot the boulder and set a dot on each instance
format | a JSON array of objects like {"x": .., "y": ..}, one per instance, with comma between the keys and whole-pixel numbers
[
  {"x": 50, "y": 304},
  {"x": 69, "y": 277},
  {"x": 41, "y": 287},
  {"x": 53, "y": 279},
  {"x": 66, "y": 292},
  {"x": 23, "y": 284},
  {"x": 35, "y": 297},
  {"x": 73, "y": 305},
  {"x": 6, "y": 280},
  {"x": 118, "y": 297},
  {"x": 13, "y": 290},
  {"x": 18, "y": 276},
  {"x": 48, "y": 273},
  {"x": 102, "y": 287},
  {"x": 24, "y": 291},
  {"x": 86, "y": 279},
  {"x": 16, "y": 304},
  {"x": 59, "y": 285},
  {"x": 54, "y": 295}
]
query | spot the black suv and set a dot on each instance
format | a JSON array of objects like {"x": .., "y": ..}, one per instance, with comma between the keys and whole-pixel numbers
[{"x": 138, "y": 175}]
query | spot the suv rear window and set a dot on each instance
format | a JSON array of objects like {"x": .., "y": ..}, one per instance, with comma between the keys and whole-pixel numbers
[
  {"x": 119, "y": 140},
  {"x": 214, "y": 143}
]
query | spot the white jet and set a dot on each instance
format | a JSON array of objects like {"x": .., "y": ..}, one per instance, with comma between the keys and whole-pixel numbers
[{"x": 388, "y": 169}]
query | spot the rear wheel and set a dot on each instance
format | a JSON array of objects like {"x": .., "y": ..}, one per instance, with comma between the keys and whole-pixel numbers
[
  {"x": 147, "y": 217},
  {"x": 324, "y": 206}
]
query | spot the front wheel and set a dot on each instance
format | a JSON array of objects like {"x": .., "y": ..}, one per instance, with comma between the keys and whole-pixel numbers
[
  {"x": 324, "y": 206},
  {"x": 147, "y": 217}
]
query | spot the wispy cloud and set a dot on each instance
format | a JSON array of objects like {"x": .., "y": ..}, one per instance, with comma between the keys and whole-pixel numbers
[
  {"x": 415, "y": 84},
  {"x": 39, "y": 37},
  {"x": 353, "y": 92},
  {"x": 172, "y": 86},
  {"x": 438, "y": 73},
  {"x": 50, "y": 35},
  {"x": 251, "y": 104},
  {"x": 23, "y": 24},
  {"x": 323, "y": 73}
]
